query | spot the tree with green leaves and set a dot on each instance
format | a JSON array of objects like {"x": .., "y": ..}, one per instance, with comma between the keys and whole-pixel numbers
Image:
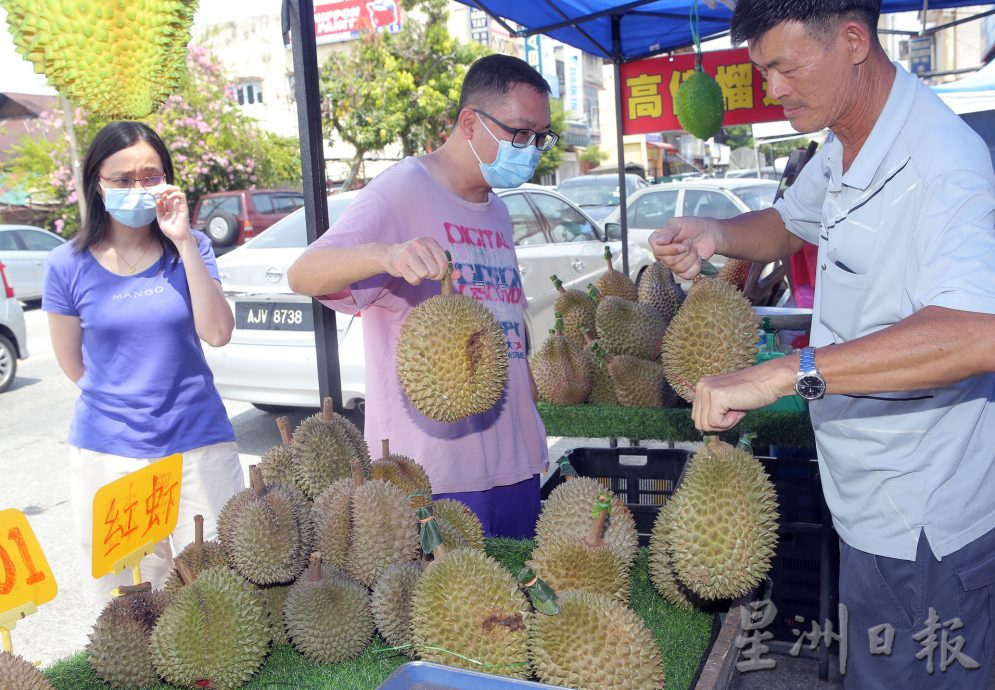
[
  {"x": 593, "y": 155},
  {"x": 549, "y": 162}
]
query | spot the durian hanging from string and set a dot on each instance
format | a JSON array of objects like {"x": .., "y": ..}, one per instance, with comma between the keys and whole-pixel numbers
[{"x": 699, "y": 104}]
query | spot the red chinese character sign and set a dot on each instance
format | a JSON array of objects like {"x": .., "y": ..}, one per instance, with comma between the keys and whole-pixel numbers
[
  {"x": 26, "y": 580},
  {"x": 132, "y": 514},
  {"x": 649, "y": 87}
]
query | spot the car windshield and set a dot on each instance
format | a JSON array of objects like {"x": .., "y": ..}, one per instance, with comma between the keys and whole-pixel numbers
[
  {"x": 591, "y": 191},
  {"x": 757, "y": 197},
  {"x": 290, "y": 232}
]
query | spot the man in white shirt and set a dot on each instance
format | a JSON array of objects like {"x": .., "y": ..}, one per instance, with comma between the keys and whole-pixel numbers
[{"x": 901, "y": 203}]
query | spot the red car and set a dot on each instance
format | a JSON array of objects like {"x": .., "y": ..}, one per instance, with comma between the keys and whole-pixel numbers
[{"x": 230, "y": 218}]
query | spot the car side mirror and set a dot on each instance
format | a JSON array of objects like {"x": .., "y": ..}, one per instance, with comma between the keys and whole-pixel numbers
[{"x": 613, "y": 232}]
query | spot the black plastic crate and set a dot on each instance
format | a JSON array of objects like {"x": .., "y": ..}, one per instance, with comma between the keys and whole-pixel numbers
[
  {"x": 799, "y": 489},
  {"x": 644, "y": 478}
]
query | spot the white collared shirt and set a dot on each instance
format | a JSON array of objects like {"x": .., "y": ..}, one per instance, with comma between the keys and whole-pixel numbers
[{"x": 910, "y": 224}]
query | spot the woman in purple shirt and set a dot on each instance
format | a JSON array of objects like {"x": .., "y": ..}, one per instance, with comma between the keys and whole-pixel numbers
[{"x": 128, "y": 302}]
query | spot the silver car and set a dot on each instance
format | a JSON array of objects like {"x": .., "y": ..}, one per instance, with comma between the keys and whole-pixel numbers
[
  {"x": 271, "y": 360},
  {"x": 24, "y": 250},
  {"x": 13, "y": 334}
]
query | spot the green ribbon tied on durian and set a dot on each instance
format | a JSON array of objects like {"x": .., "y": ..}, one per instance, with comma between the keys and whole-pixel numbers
[
  {"x": 542, "y": 595},
  {"x": 746, "y": 442},
  {"x": 566, "y": 469},
  {"x": 430, "y": 535},
  {"x": 603, "y": 504}
]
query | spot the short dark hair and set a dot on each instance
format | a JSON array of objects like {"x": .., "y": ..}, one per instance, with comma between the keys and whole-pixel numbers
[
  {"x": 114, "y": 137},
  {"x": 752, "y": 19},
  {"x": 492, "y": 76}
]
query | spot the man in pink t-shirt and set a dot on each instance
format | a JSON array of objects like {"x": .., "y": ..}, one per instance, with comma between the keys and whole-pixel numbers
[{"x": 385, "y": 255}]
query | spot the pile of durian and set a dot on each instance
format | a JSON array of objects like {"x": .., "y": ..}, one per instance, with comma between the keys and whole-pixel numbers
[{"x": 645, "y": 346}]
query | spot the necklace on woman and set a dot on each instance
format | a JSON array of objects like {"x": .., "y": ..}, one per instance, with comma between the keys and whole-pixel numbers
[{"x": 133, "y": 267}]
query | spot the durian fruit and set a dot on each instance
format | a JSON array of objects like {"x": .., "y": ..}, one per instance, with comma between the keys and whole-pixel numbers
[
  {"x": 273, "y": 598},
  {"x": 391, "y": 602},
  {"x": 17, "y": 673},
  {"x": 404, "y": 473},
  {"x": 714, "y": 332},
  {"x": 119, "y": 60},
  {"x": 328, "y": 615},
  {"x": 452, "y": 357},
  {"x": 699, "y": 104},
  {"x": 266, "y": 531},
  {"x": 467, "y": 606},
  {"x": 659, "y": 289},
  {"x": 577, "y": 310},
  {"x": 629, "y": 328},
  {"x": 594, "y": 643},
  {"x": 119, "y": 643},
  {"x": 216, "y": 633},
  {"x": 198, "y": 555},
  {"x": 277, "y": 464},
  {"x": 562, "y": 370},
  {"x": 735, "y": 272},
  {"x": 661, "y": 570},
  {"x": 584, "y": 565},
  {"x": 640, "y": 383},
  {"x": 602, "y": 387},
  {"x": 362, "y": 527},
  {"x": 722, "y": 526},
  {"x": 566, "y": 516},
  {"x": 460, "y": 526},
  {"x": 324, "y": 447},
  {"x": 612, "y": 283}
]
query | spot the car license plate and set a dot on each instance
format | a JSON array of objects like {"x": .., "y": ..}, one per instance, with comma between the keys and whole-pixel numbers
[{"x": 274, "y": 316}]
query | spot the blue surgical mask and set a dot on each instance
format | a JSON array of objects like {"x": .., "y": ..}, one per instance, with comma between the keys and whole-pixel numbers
[
  {"x": 512, "y": 167},
  {"x": 132, "y": 207}
]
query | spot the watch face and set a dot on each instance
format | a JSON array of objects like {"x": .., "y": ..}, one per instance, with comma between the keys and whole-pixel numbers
[{"x": 810, "y": 387}]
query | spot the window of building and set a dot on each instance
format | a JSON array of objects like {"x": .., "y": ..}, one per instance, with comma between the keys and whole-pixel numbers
[{"x": 249, "y": 92}]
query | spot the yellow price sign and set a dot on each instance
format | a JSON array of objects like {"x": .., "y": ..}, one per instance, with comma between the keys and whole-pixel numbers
[
  {"x": 26, "y": 580},
  {"x": 132, "y": 514}
]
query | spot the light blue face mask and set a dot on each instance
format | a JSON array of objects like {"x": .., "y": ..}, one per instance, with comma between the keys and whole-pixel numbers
[
  {"x": 132, "y": 207},
  {"x": 512, "y": 167}
]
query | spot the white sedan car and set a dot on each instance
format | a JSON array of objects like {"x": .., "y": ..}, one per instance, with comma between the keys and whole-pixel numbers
[
  {"x": 24, "y": 250},
  {"x": 271, "y": 360}
]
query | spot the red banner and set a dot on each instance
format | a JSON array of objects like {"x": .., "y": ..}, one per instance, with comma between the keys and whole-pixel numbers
[
  {"x": 649, "y": 87},
  {"x": 345, "y": 20}
]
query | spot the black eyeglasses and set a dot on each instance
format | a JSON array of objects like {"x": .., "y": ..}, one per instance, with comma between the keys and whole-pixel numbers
[
  {"x": 129, "y": 182},
  {"x": 522, "y": 137}
]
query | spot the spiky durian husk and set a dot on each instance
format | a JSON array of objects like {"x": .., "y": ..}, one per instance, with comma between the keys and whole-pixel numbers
[
  {"x": 391, "y": 603},
  {"x": 277, "y": 465},
  {"x": 215, "y": 631},
  {"x": 661, "y": 570},
  {"x": 640, "y": 383},
  {"x": 119, "y": 643},
  {"x": 328, "y": 621},
  {"x": 330, "y": 518},
  {"x": 602, "y": 388},
  {"x": 452, "y": 358},
  {"x": 273, "y": 598},
  {"x": 714, "y": 332},
  {"x": 563, "y": 371},
  {"x": 384, "y": 531},
  {"x": 119, "y": 60},
  {"x": 659, "y": 289},
  {"x": 699, "y": 104},
  {"x": 614, "y": 283},
  {"x": 267, "y": 538},
  {"x": 566, "y": 517},
  {"x": 467, "y": 605},
  {"x": 323, "y": 452},
  {"x": 210, "y": 554},
  {"x": 17, "y": 673},
  {"x": 577, "y": 310},
  {"x": 564, "y": 566},
  {"x": 722, "y": 528},
  {"x": 735, "y": 272},
  {"x": 629, "y": 328},
  {"x": 404, "y": 473},
  {"x": 594, "y": 643},
  {"x": 461, "y": 523}
]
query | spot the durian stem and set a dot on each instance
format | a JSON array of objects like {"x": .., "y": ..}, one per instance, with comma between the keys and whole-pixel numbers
[
  {"x": 587, "y": 334},
  {"x": 256, "y": 480},
  {"x": 327, "y": 409},
  {"x": 357, "y": 472},
  {"x": 558, "y": 284},
  {"x": 185, "y": 571},
  {"x": 283, "y": 424},
  {"x": 608, "y": 258},
  {"x": 314, "y": 567},
  {"x": 447, "y": 279},
  {"x": 594, "y": 537},
  {"x": 385, "y": 446},
  {"x": 198, "y": 530},
  {"x": 135, "y": 589}
]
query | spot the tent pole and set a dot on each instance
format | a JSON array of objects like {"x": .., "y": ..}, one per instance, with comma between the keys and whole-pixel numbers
[
  {"x": 298, "y": 20},
  {"x": 617, "y": 65}
]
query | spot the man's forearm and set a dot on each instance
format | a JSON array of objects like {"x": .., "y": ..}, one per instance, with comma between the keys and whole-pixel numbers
[
  {"x": 327, "y": 270},
  {"x": 757, "y": 236}
]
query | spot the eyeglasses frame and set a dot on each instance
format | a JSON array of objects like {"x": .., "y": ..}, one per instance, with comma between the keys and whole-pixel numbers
[
  {"x": 513, "y": 131},
  {"x": 140, "y": 181}
]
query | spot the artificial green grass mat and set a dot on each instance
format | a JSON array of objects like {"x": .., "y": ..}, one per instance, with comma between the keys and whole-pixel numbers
[
  {"x": 683, "y": 637},
  {"x": 671, "y": 424}
]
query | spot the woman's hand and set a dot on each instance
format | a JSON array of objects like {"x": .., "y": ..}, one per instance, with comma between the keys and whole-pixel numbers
[{"x": 172, "y": 213}]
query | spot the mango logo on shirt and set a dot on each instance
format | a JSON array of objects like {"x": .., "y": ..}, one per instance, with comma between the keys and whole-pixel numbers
[{"x": 137, "y": 294}]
